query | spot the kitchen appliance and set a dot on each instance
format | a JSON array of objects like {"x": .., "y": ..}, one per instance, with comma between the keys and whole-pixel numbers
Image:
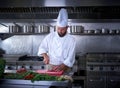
[
  {"x": 79, "y": 75},
  {"x": 24, "y": 61},
  {"x": 14, "y": 63},
  {"x": 103, "y": 70}
]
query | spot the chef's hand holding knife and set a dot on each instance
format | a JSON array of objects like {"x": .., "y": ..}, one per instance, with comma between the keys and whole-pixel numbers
[
  {"x": 58, "y": 68},
  {"x": 46, "y": 58}
]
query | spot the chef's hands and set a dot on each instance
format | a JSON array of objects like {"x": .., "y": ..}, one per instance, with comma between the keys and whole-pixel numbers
[
  {"x": 46, "y": 58},
  {"x": 61, "y": 67},
  {"x": 58, "y": 68}
]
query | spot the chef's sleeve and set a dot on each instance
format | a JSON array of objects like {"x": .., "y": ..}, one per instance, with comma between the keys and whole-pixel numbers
[
  {"x": 43, "y": 48},
  {"x": 69, "y": 61}
]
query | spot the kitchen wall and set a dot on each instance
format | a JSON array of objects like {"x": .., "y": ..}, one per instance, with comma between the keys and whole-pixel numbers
[{"x": 29, "y": 44}]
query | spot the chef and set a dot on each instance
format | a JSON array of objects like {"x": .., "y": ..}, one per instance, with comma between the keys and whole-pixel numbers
[{"x": 58, "y": 48}]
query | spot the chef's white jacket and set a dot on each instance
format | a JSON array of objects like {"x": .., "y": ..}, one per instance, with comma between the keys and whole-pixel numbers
[{"x": 59, "y": 49}]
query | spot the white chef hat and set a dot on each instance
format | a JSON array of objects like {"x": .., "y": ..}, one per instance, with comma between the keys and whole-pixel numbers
[{"x": 62, "y": 19}]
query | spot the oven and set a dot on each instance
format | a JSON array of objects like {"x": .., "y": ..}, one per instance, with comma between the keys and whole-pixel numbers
[{"x": 103, "y": 70}]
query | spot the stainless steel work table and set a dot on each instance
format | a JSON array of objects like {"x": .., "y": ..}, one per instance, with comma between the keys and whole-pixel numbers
[{"x": 13, "y": 83}]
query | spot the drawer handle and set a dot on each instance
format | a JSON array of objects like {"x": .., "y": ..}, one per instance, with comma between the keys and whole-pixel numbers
[
  {"x": 91, "y": 80},
  {"x": 111, "y": 80}
]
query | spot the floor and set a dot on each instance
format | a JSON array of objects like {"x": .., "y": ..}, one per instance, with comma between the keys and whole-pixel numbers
[{"x": 76, "y": 87}]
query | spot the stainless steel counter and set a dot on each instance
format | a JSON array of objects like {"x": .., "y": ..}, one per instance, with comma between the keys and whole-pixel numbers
[{"x": 6, "y": 83}]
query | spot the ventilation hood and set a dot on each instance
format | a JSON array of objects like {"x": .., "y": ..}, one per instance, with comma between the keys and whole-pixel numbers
[
  {"x": 57, "y": 3},
  {"x": 47, "y": 10}
]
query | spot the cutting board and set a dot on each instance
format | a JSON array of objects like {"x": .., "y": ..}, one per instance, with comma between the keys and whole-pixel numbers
[{"x": 49, "y": 72}]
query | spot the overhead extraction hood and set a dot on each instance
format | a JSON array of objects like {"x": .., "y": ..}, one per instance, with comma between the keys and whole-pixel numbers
[
  {"x": 57, "y": 3},
  {"x": 47, "y": 10}
]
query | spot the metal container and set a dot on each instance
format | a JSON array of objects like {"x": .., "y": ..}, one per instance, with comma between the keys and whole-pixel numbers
[
  {"x": 105, "y": 30},
  {"x": 80, "y": 29},
  {"x": 113, "y": 31},
  {"x": 15, "y": 29},
  {"x": 85, "y": 31},
  {"x": 118, "y": 31},
  {"x": 46, "y": 29},
  {"x": 43, "y": 29},
  {"x": 10, "y": 29},
  {"x": 39, "y": 29},
  {"x": 76, "y": 29},
  {"x": 28, "y": 29},
  {"x": 91, "y": 31},
  {"x": 72, "y": 29},
  {"x": 98, "y": 31}
]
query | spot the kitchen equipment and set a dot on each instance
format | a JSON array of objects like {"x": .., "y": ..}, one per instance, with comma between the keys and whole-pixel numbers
[
  {"x": 103, "y": 70},
  {"x": 28, "y": 29},
  {"x": 15, "y": 29},
  {"x": 43, "y": 29},
  {"x": 91, "y": 31},
  {"x": 15, "y": 83},
  {"x": 105, "y": 30},
  {"x": 23, "y": 61},
  {"x": 85, "y": 31},
  {"x": 113, "y": 31},
  {"x": 98, "y": 31},
  {"x": 76, "y": 29},
  {"x": 117, "y": 31},
  {"x": 40, "y": 29},
  {"x": 30, "y": 58}
]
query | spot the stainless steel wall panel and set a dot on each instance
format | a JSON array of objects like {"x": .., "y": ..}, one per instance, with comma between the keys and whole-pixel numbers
[
  {"x": 97, "y": 44},
  {"x": 36, "y": 42},
  {"x": 115, "y": 43},
  {"x": 17, "y": 45},
  {"x": 81, "y": 43}
]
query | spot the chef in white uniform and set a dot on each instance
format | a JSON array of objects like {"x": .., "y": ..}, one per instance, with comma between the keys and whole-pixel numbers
[{"x": 58, "y": 48}]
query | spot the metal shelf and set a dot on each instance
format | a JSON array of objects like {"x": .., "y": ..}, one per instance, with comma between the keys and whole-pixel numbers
[
  {"x": 7, "y": 35},
  {"x": 95, "y": 33}
]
